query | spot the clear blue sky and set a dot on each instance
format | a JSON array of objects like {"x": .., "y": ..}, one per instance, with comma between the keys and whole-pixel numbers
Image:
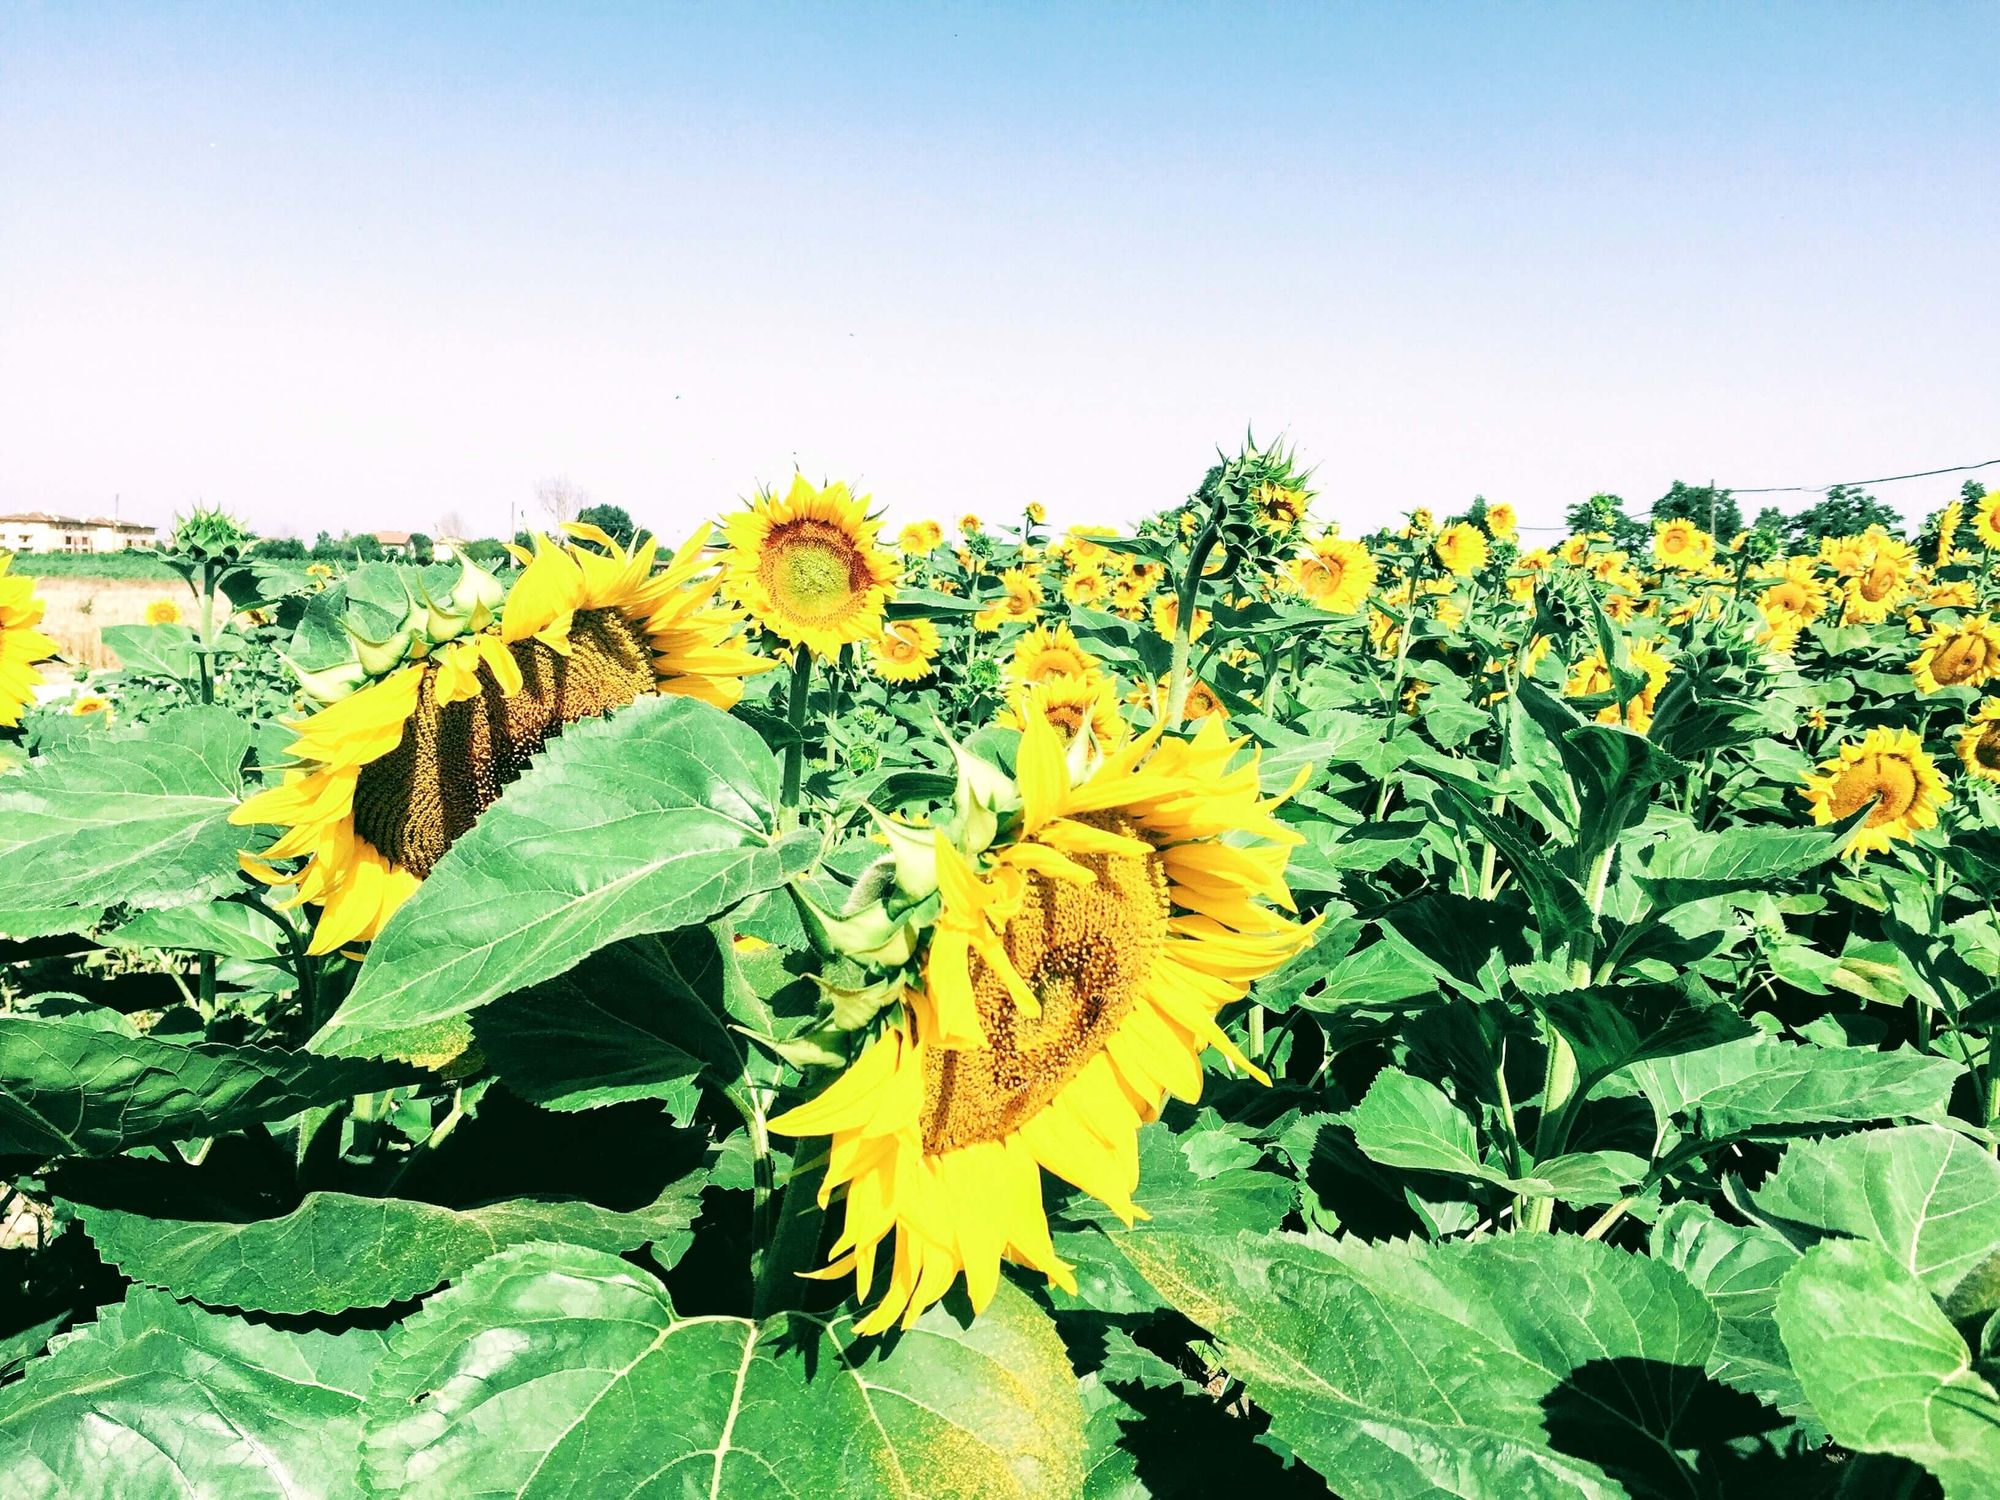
[{"x": 368, "y": 266}]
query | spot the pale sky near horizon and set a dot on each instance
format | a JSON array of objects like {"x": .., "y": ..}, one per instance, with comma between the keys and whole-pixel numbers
[{"x": 368, "y": 266}]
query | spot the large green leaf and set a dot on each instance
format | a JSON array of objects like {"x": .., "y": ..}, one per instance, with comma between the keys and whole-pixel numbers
[
  {"x": 654, "y": 818},
  {"x": 1690, "y": 866},
  {"x": 1175, "y": 1197},
  {"x": 70, "y": 1087},
  {"x": 1758, "y": 1081},
  {"x": 1738, "y": 1268},
  {"x": 1924, "y": 1193},
  {"x": 638, "y": 1020},
  {"x": 139, "y": 819},
  {"x": 228, "y": 928},
  {"x": 153, "y": 650},
  {"x": 336, "y": 1251},
  {"x": 561, "y": 1371},
  {"x": 1885, "y": 1369},
  {"x": 1409, "y": 1122},
  {"x": 159, "y": 1398},
  {"x": 1524, "y": 1366}
]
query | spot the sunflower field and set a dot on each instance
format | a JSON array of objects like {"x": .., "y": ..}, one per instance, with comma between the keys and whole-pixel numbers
[{"x": 832, "y": 1007}]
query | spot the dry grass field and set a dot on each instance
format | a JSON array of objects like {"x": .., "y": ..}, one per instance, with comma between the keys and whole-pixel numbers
[{"x": 80, "y": 609}]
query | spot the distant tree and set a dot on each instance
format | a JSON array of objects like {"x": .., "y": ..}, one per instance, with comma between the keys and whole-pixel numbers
[
  {"x": 1606, "y": 513},
  {"x": 561, "y": 497},
  {"x": 524, "y": 539},
  {"x": 612, "y": 520},
  {"x": 1972, "y": 492},
  {"x": 1713, "y": 510},
  {"x": 283, "y": 547},
  {"x": 486, "y": 551},
  {"x": 1771, "y": 519},
  {"x": 326, "y": 549},
  {"x": 1845, "y": 510},
  {"x": 420, "y": 547},
  {"x": 362, "y": 546}
]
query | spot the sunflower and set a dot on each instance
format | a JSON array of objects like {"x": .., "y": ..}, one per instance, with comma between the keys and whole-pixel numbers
[
  {"x": 21, "y": 645},
  {"x": 1421, "y": 521},
  {"x": 1335, "y": 574},
  {"x": 1166, "y": 612},
  {"x": 1591, "y": 677},
  {"x": 1986, "y": 522},
  {"x": 1086, "y": 586},
  {"x": 1887, "y": 771},
  {"x": 1278, "y": 507},
  {"x": 1071, "y": 984},
  {"x": 1501, "y": 522},
  {"x": 969, "y": 524},
  {"x": 1979, "y": 742},
  {"x": 1881, "y": 581},
  {"x": 920, "y": 538},
  {"x": 1037, "y": 513},
  {"x": 389, "y": 776},
  {"x": 1462, "y": 548},
  {"x": 1797, "y": 593},
  {"x": 162, "y": 612},
  {"x": 1962, "y": 655},
  {"x": 1680, "y": 543},
  {"x": 904, "y": 651},
  {"x": 1044, "y": 653},
  {"x": 1071, "y": 704},
  {"x": 1020, "y": 602},
  {"x": 807, "y": 567},
  {"x": 1957, "y": 594},
  {"x": 84, "y": 705},
  {"x": 1948, "y": 521},
  {"x": 1150, "y": 698}
]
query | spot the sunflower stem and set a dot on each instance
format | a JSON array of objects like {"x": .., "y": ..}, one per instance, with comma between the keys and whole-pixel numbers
[
  {"x": 796, "y": 699},
  {"x": 793, "y": 1246},
  {"x": 1185, "y": 602}
]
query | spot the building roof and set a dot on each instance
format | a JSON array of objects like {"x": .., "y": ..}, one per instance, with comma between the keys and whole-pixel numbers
[
  {"x": 392, "y": 538},
  {"x": 45, "y": 518}
]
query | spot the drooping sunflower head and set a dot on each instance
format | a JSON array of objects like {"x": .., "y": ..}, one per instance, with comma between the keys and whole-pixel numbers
[
  {"x": 807, "y": 569},
  {"x": 1461, "y": 549},
  {"x": 1962, "y": 655},
  {"x": 390, "y": 775},
  {"x": 1336, "y": 574},
  {"x": 1501, "y": 522},
  {"x": 1947, "y": 534},
  {"x": 1888, "y": 773},
  {"x": 1071, "y": 982},
  {"x": 1801, "y": 596},
  {"x": 1037, "y": 513},
  {"x": 1879, "y": 583},
  {"x": 1046, "y": 652},
  {"x": 21, "y": 644},
  {"x": 904, "y": 651},
  {"x": 1979, "y": 742},
  {"x": 162, "y": 612}
]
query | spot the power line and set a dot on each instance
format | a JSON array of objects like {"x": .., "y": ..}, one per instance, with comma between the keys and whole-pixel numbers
[{"x": 1811, "y": 489}]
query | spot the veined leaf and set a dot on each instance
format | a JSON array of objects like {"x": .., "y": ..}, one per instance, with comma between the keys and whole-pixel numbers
[
  {"x": 336, "y": 1251},
  {"x": 158, "y": 1397},
  {"x": 68, "y": 1087},
  {"x": 654, "y": 818},
  {"x": 1523, "y": 1366},
  {"x": 139, "y": 819},
  {"x": 229, "y": 929},
  {"x": 1689, "y": 866},
  {"x": 554, "y": 1370},
  {"x": 1924, "y": 1193},
  {"x": 1885, "y": 1369},
  {"x": 1758, "y": 1081}
]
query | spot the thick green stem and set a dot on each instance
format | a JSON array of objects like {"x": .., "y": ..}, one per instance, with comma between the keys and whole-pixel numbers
[
  {"x": 795, "y": 717},
  {"x": 1256, "y": 1033},
  {"x": 794, "y": 1242},
  {"x": 1559, "y": 1080}
]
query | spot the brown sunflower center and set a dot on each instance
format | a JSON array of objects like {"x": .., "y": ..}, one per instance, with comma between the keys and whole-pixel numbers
[
  {"x": 1888, "y": 781},
  {"x": 1986, "y": 749},
  {"x": 455, "y": 758},
  {"x": 813, "y": 570},
  {"x": 1963, "y": 658},
  {"x": 1086, "y": 951},
  {"x": 1879, "y": 582}
]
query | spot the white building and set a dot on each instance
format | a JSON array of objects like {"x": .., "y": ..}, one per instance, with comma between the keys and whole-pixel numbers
[{"x": 38, "y": 531}]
